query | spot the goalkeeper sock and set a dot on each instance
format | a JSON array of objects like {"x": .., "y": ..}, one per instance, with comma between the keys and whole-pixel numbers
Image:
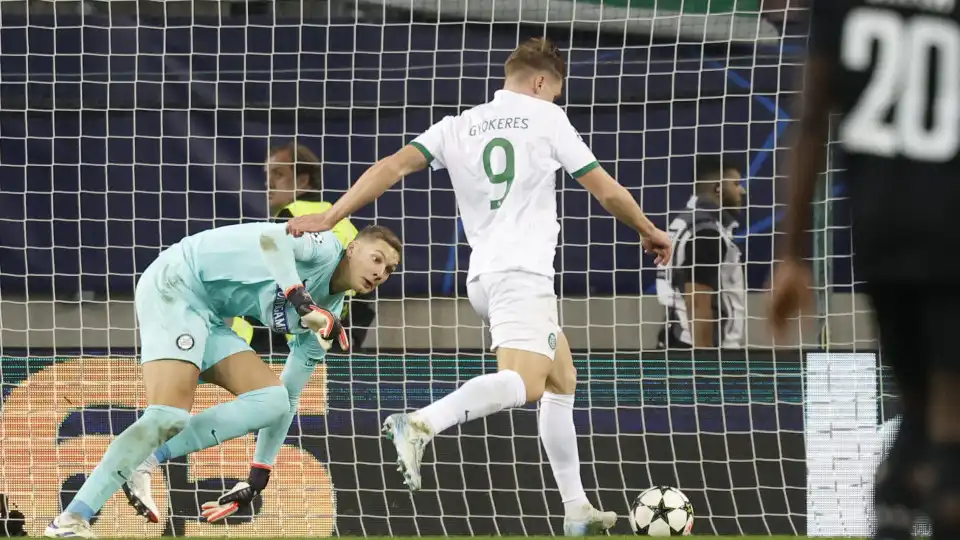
[
  {"x": 296, "y": 374},
  {"x": 477, "y": 398},
  {"x": 157, "y": 424},
  {"x": 559, "y": 437},
  {"x": 152, "y": 461},
  {"x": 249, "y": 412}
]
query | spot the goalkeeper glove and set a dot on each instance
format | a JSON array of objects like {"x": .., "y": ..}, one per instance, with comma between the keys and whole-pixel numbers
[
  {"x": 324, "y": 324},
  {"x": 242, "y": 493}
]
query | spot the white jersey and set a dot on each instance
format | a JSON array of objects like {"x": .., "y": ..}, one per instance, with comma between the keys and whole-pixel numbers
[{"x": 502, "y": 158}]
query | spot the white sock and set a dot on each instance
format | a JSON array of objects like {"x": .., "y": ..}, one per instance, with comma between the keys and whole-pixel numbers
[
  {"x": 559, "y": 438},
  {"x": 149, "y": 464},
  {"x": 478, "y": 397}
]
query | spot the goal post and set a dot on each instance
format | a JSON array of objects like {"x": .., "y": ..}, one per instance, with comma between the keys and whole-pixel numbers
[{"x": 126, "y": 125}]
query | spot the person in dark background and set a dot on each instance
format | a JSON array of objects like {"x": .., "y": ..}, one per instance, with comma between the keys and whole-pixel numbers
[
  {"x": 294, "y": 188},
  {"x": 703, "y": 287}
]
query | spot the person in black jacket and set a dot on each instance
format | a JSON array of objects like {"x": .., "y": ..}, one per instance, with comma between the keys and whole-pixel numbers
[{"x": 703, "y": 287}]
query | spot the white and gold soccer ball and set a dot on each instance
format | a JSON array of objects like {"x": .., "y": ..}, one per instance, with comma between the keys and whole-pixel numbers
[{"x": 661, "y": 511}]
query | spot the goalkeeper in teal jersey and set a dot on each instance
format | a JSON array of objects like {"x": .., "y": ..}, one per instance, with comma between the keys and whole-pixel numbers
[{"x": 294, "y": 285}]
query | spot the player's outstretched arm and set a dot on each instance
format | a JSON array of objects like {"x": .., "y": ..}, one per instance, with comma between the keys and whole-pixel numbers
[
  {"x": 620, "y": 203},
  {"x": 792, "y": 279},
  {"x": 278, "y": 252},
  {"x": 371, "y": 184}
]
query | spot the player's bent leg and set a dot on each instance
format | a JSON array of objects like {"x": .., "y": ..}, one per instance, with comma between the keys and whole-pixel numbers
[
  {"x": 939, "y": 318},
  {"x": 521, "y": 309},
  {"x": 899, "y": 485},
  {"x": 170, "y": 385},
  {"x": 944, "y": 502},
  {"x": 477, "y": 398},
  {"x": 897, "y": 494},
  {"x": 559, "y": 437},
  {"x": 295, "y": 376},
  {"x": 261, "y": 400}
]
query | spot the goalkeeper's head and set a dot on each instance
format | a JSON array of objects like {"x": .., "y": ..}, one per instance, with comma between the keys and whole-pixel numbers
[
  {"x": 371, "y": 258},
  {"x": 536, "y": 68}
]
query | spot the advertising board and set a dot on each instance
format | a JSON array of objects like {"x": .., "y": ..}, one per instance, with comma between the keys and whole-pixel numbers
[{"x": 727, "y": 430}]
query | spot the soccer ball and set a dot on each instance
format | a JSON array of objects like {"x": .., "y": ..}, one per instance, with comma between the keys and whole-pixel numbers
[{"x": 662, "y": 511}]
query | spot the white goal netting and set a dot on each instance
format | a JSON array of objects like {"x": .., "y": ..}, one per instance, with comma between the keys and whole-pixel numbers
[{"x": 126, "y": 125}]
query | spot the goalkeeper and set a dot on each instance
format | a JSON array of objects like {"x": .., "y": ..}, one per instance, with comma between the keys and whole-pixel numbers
[{"x": 253, "y": 270}]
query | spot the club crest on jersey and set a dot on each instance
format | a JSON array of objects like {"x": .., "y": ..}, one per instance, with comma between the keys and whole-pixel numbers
[
  {"x": 552, "y": 341},
  {"x": 185, "y": 342}
]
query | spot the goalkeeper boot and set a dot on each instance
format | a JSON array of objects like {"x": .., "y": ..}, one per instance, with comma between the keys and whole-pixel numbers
[
  {"x": 410, "y": 436},
  {"x": 68, "y": 525},
  {"x": 242, "y": 494},
  {"x": 587, "y": 521},
  {"x": 137, "y": 490}
]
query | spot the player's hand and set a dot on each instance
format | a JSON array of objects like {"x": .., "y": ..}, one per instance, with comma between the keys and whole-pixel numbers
[
  {"x": 792, "y": 296},
  {"x": 242, "y": 493},
  {"x": 324, "y": 324},
  {"x": 659, "y": 245},
  {"x": 310, "y": 223}
]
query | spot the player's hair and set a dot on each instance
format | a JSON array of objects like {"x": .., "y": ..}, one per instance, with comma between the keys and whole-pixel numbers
[
  {"x": 536, "y": 54},
  {"x": 379, "y": 232},
  {"x": 709, "y": 169},
  {"x": 304, "y": 162}
]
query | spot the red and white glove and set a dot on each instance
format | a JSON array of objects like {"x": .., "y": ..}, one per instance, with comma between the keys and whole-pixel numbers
[
  {"x": 242, "y": 493},
  {"x": 324, "y": 324}
]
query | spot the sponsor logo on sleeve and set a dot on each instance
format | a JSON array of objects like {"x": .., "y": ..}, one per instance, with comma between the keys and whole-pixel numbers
[{"x": 278, "y": 320}]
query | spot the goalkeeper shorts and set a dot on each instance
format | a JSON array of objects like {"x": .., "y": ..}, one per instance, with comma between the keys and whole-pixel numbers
[
  {"x": 175, "y": 322},
  {"x": 520, "y": 308}
]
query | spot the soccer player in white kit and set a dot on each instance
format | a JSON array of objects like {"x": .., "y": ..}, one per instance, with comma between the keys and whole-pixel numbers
[{"x": 502, "y": 158}]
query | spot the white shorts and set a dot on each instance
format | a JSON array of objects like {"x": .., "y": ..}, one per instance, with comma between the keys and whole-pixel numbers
[{"x": 520, "y": 308}]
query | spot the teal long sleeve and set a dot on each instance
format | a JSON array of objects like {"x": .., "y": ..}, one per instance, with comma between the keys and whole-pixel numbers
[{"x": 279, "y": 257}]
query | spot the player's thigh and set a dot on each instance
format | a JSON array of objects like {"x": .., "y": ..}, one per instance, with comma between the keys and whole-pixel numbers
[
  {"x": 231, "y": 364},
  {"x": 563, "y": 375},
  {"x": 241, "y": 373},
  {"x": 522, "y": 312},
  {"x": 523, "y": 320},
  {"x": 940, "y": 319},
  {"x": 898, "y": 311},
  {"x": 173, "y": 334},
  {"x": 170, "y": 382}
]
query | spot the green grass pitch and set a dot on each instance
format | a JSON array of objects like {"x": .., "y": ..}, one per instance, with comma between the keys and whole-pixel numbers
[{"x": 553, "y": 537}]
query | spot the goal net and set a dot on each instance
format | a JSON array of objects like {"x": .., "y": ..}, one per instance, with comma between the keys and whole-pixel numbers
[{"x": 125, "y": 126}]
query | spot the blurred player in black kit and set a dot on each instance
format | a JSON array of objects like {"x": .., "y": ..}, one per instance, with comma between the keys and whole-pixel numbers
[{"x": 891, "y": 69}]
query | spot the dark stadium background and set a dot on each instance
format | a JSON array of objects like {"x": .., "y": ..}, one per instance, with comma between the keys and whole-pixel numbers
[
  {"x": 161, "y": 132},
  {"x": 117, "y": 184}
]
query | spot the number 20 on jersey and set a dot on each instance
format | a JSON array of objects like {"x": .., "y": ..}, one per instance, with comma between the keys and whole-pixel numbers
[{"x": 908, "y": 49}]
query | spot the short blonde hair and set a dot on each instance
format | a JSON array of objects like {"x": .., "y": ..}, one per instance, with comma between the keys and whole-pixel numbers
[
  {"x": 536, "y": 54},
  {"x": 379, "y": 232}
]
